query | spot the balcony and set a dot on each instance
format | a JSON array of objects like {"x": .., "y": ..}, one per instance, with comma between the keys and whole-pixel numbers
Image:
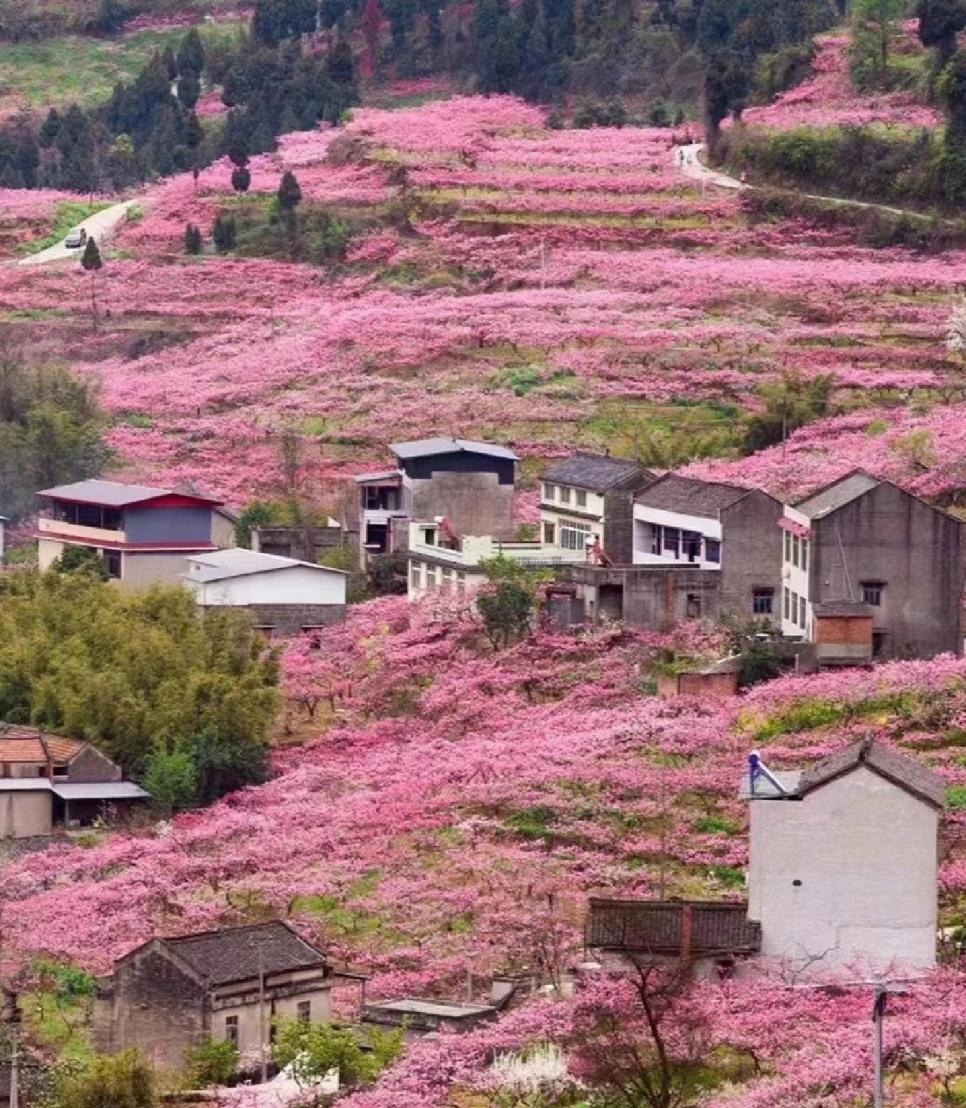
[
  {"x": 61, "y": 530},
  {"x": 472, "y": 549}
]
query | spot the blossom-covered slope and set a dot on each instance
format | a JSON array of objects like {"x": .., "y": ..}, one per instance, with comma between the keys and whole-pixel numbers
[
  {"x": 553, "y": 288},
  {"x": 461, "y": 806}
]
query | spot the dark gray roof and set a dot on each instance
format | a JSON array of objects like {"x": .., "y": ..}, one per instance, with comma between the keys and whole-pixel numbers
[
  {"x": 841, "y": 608},
  {"x": 113, "y": 494},
  {"x": 672, "y": 493},
  {"x": 237, "y": 953},
  {"x": 836, "y": 495},
  {"x": 905, "y": 772},
  {"x": 426, "y": 448},
  {"x": 654, "y": 926},
  {"x": 597, "y": 472}
]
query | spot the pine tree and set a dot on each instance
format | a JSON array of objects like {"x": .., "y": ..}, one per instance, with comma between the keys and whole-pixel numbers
[
  {"x": 189, "y": 89},
  {"x": 191, "y": 54},
  {"x": 192, "y": 239},
  {"x": 224, "y": 233},
  {"x": 241, "y": 178},
  {"x": 289, "y": 192},
  {"x": 92, "y": 263},
  {"x": 50, "y": 129}
]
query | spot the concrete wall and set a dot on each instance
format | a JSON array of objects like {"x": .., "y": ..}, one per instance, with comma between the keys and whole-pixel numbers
[
  {"x": 474, "y": 503},
  {"x": 289, "y": 619},
  {"x": 915, "y": 550},
  {"x": 619, "y": 523},
  {"x": 48, "y": 550},
  {"x": 845, "y": 876},
  {"x": 141, "y": 571},
  {"x": 91, "y": 765},
  {"x": 303, "y": 543},
  {"x": 222, "y": 530},
  {"x": 156, "y": 1007},
  {"x": 184, "y": 524},
  {"x": 751, "y": 554},
  {"x": 299, "y": 585},
  {"x": 427, "y": 574},
  {"x": 23, "y": 814},
  {"x": 651, "y": 597}
]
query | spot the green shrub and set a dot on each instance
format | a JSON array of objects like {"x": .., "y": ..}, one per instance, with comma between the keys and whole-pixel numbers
[
  {"x": 210, "y": 1063},
  {"x": 171, "y": 777}
]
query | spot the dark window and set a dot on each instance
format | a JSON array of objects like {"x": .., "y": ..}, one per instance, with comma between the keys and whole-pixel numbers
[
  {"x": 788, "y": 547},
  {"x": 112, "y": 563},
  {"x": 692, "y": 606},
  {"x": 802, "y": 616},
  {"x": 303, "y": 1011},
  {"x": 548, "y": 534},
  {"x": 581, "y": 497},
  {"x": 672, "y": 541},
  {"x": 111, "y": 519},
  {"x": 657, "y": 538},
  {"x": 231, "y": 1030},
  {"x": 712, "y": 551},
  {"x": 691, "y": 545},
  {"x": 763, "y": 601},
  {"x": 788, "y": 604},
  {"x": 878, "y": 643},
  {"x": 872, "y": 592}
]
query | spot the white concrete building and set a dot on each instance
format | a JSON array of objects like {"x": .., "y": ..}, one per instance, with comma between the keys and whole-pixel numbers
[
  {"x": 842, "y": 872},
  {"x": 285, "y": 596}
]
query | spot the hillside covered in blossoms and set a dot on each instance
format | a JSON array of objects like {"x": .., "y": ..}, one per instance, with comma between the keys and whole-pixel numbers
[{"x": 477, "y": 254}]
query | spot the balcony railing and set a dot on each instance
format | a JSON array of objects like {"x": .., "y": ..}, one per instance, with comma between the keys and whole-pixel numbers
[{"x": 60, "y": 528}]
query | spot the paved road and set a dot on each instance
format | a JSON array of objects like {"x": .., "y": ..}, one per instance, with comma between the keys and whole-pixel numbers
[{"x": 100, "y": 226}]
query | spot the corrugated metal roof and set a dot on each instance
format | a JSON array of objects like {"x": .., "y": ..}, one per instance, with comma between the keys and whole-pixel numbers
[
  {"x": 99, "y": 790},
  {"x": 443, "y": 1009},
  {"x": 113, "y": 494},
  {"x": 596, "y": 472},
  {"x": 689, "y": 496},
  {"x": 221, "y": 565},
  {"x": 837, "y": 495},
  {"x": 424, "y": 448}
]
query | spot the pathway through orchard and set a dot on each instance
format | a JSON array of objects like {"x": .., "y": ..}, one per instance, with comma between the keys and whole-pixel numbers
[{"x": 100, "y": 226}]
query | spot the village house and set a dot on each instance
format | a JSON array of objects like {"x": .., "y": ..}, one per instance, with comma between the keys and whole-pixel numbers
[
  {"x": 469, "y": 483},
  {"x": 170, "y": 994},
  {"x": 417, "y": 1016},
  {"x": 142, "y": 534},
  {"x": 283, "y": 595},
  {"x": 842, "y": 877},
  {"x": 865, "y": 542},
  {"x": 47, "y": 781},
  {"x": 588, "y": 499}
]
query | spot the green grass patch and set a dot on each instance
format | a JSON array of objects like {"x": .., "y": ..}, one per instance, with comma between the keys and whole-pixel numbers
[
  {"x": 67, "y": 214},
  {"x": 811, "y": 713},
  {"x": 81, "y": 69},
  {"x": 956, "y": 796},
  {"x": 531, "y": 823},
  {"x": 716, "y": 825},
  {"x": 730, "y": 876}
]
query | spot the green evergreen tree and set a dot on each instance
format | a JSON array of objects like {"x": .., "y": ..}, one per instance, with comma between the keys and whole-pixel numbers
[
  {"x": 191, "y": 54},
  {"x": 241, "y": 178},
  {"x": 224, "y": 233},
  {"x": 289, "y": 193},
  {"x": 192, "y": 239}
]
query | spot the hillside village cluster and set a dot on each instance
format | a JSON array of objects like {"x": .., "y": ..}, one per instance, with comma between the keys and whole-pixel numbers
[{"x": 843, "y": 853}]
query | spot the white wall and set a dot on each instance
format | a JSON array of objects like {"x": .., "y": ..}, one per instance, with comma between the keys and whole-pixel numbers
[
  {"x": 865, "y": 852},
  {"x": 707, "y": 528},
  {"x": 293, "y": 585}
]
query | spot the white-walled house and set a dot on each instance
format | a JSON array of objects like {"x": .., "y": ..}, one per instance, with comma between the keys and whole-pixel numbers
[
  {"x": 285, "y": 596},
  {"x": 843, "y": 860}
]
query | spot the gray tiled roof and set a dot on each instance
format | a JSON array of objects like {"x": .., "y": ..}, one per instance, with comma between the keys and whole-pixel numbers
[
  {"x": 837, "y": 495},
  {"x": 597, "y": 472},
  {"x": 426, "y": 448},
  {"x": 908, "y": 773},
  {"x": 690, "y": 496},
  {"x": 113, "y": 494},
  {"x": 654, "y": 926},
  {"x": 238, "y": 953}
]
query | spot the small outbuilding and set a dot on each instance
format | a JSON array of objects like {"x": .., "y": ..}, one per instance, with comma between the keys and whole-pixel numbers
[{"x": 285, "y": 596}]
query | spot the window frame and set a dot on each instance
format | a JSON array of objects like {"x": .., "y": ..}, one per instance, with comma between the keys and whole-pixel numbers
[
  {"x": 233, "y": 1031},
  {"x": 873, "y": 588},
  {"x": 580, "y": 498},
  {"x": 712, "y": 551},
  {"x": 764, "y": 596},
  {"x": 568, "y": 528}
]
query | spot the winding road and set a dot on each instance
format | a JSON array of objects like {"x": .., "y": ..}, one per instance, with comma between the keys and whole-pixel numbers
[{"x": 99, "y": 226}]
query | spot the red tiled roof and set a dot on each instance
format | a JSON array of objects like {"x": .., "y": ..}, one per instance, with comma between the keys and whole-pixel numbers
[{"x": 27, "y": 744}]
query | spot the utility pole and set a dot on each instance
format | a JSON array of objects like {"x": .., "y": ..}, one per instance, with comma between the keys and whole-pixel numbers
[
  {"x": 262, "y": 1054},
  {"x": 879, "y": 1002}
]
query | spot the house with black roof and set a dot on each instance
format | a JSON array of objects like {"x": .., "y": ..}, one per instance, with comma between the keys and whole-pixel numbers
[
  {"x": 864, "y": 541},
  {"x": 468, "y": 483},
  {"x": 228, "y": 985},
  {"x": 587, "y": 499}
]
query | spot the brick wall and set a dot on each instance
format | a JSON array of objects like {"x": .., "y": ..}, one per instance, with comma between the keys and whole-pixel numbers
[{"x": 289, "y": 619}]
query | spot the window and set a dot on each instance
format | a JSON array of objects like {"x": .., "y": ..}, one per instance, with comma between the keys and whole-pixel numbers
[
  {"x": 416, "y": 575},
  {"x": 692, "y": 606},
  {"x": 580, "y": 495},
  {"x": 303, "y": 1011},
  {"x": 762, "y": 601},
  {"x": 872, "y": 592},
  {"x": 461, "y": 583},
  {"x": 788, "y": 604},
  {"x": 788, "y": 547},
  {"x": 231, "y": 1030},
  {"x": 804, "y": 553},
  {"x": 430, "y": 577},
  {"x": 429, "y": 536},
  {"x": 691, "y": 545},
  {"x": 447, "y": 575},
  {"x": 574, "y": 536},
  {"x": 564, "y": 495},
  {"x": 712, "y": 551},
  {"x": 794, "y": 550},
  {"x": 549, "y": 492},
  {"x": 657, "y": 538},
  {"x": 548, "y": 534},
  {"x": 802, "y": 614},
  {"x": 672, "y": 541}
]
